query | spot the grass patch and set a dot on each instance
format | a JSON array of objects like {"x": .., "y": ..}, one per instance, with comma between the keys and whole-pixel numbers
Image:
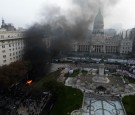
[
  {"x": 70, "y": 99},
  {"x": 66, "y": 98},
  {"x": 129, "y": 104},
  {"x": 50, "y": 77},
  {"x": 75, "y": 73},
  {"x": 131, "y": 80}
]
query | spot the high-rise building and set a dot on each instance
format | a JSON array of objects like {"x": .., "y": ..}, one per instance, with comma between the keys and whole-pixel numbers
[{"x": 11, "y": 44}]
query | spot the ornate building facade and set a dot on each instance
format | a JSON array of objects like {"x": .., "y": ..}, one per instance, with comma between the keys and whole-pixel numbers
[{"x": 101, "y": 43}]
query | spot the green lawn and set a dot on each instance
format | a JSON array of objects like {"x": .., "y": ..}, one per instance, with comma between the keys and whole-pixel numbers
[
  {"x": 75, "y": 73},
  {"x": 39, "y": 85},
  {"x": 70, "y": 100},
  {"x": 67, "y": 98},
  {"x": 131, "y": 80},
  {"x": 129, "y": 104}
]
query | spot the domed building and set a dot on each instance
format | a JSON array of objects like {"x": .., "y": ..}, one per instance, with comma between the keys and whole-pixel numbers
[
  {"x": 98, "y": 27},
  {"x": 101, "y": 43}
]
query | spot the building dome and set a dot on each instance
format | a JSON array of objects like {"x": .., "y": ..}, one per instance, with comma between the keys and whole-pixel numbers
[{"x": 98, "y": 24}]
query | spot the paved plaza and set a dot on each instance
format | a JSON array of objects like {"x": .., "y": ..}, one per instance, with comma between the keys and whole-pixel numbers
[
  {"x": 85, "y": 83},
  {"x": 98, "y": 105},
  {"x": 115, "y": 86},
  {"x": 99, "y": 98}
]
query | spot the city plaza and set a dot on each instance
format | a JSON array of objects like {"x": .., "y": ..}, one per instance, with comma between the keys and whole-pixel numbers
[{"x": 102, "y": 96}]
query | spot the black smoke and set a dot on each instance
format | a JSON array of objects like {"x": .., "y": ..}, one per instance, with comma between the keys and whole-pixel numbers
[
  {"x": 35, "y": 51},
  {"x": 61, "y": 28}
]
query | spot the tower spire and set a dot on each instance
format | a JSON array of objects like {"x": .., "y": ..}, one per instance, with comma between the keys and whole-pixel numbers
[
  {"x": 99, "y": 11},
  {"x": 3, "y": 22},
  {"x": 98, "y": 24}
]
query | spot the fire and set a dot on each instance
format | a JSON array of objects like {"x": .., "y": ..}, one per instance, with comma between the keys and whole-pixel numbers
[{"x": 29, "y": 82}]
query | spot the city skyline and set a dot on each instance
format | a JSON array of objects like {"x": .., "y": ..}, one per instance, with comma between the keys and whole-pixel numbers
[{"x": 25, "y": 13}]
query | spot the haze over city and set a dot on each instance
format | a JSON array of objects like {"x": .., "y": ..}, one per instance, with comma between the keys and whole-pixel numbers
[
  {"x": 67, "y": 57},
  {"x": 117, "y": 13}
]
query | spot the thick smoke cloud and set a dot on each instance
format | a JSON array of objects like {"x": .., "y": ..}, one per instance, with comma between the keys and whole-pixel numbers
[
  {"x": 61, "y": 27},
  {"x": 35, "y": 51},
  {"x": 79, "y": 18}
]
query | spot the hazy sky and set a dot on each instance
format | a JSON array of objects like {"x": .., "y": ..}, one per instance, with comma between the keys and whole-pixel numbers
[{"x": 22, "y": 13}]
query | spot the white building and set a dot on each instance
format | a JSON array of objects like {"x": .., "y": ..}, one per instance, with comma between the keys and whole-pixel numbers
[
  {"x": 101, "y": 43},
  {"x": 125, "y": 46},
  {"x": 11, "y": 45}
]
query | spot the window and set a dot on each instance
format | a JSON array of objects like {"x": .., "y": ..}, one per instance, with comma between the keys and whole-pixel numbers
[
  {"x": 4, "y": 61},
  {"x": 10, "y": 54},
  {"x": 2, "y": 36},
  {"x": 3, "y": 51},
  {"x": 4, "y": 56},
  {"x": 9, "y": 45},
  {"x": 9, "y": 49},
  {"x": 3, "y": 46},
  {"x": 10, "y": 59},
  {"x": 13, "y": 53}
]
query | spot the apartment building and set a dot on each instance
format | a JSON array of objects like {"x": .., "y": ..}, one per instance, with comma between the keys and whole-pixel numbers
[{"x": 11, "y": 44}]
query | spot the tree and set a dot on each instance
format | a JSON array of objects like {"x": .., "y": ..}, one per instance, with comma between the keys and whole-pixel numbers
[{"x": 10, "y": 74}]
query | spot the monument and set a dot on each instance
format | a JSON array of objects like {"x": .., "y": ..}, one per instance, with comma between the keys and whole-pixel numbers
[
  {"x": 100, "y": 77},
  {"x": 101, "y": 70}
]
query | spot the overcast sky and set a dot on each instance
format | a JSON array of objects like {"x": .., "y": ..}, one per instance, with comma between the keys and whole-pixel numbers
[{"x": 23, "y": 13}]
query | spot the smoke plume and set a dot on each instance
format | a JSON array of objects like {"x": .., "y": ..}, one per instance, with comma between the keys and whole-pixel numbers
[{"x": 61, "y": 27}]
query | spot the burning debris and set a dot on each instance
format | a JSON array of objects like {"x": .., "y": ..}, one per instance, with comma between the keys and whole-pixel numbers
[{"x": 29, "y": 82}]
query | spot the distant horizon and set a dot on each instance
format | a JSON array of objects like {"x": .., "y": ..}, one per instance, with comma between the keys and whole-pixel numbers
[
  {"x": 117, "y": 13},
  {"x": 118, "y": 30}
]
